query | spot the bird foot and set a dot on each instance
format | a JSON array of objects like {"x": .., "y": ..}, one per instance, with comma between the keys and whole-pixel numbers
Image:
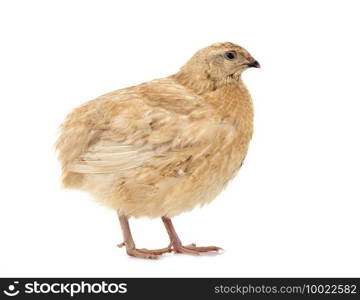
[
  {"x": 145, "y": 253},
  {"x": 193, "y": 249},
  {"x": 141, "y": 254},
  {"x": 177, "y": 248},
  {"x": 156, "y": 251}
]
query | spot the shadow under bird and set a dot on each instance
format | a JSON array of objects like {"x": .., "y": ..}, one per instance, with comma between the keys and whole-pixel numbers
[{"x": 165, "y": 146}]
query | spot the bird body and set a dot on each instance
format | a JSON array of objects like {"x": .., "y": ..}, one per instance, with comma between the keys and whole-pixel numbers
[
  {"x": 146, "y": 155},
  {"x": 162, "y": 147}
]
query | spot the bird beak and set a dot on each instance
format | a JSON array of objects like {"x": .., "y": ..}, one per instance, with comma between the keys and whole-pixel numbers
[{"x": 254, "y": 64}]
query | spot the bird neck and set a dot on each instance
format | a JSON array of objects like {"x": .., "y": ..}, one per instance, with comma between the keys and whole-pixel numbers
[
  {"x": 199, "y": 82},
  {"x": 229, "y": 97},
  {"x": 233, "y": 104}
]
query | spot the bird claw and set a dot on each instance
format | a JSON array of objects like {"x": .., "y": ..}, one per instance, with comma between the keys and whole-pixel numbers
[
  {"x": 141, "y": 254},
  {"x": 194, "y": 250},
  {"x": 156, "y": 251},
  {"x": 121, "y": 245},
  {"x": 145, "y": 253}
]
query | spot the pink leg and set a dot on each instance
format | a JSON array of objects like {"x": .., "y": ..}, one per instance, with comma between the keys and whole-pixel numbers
[
  {"x": 130, "y": 244},
  {"x": 176, "y": 244}
]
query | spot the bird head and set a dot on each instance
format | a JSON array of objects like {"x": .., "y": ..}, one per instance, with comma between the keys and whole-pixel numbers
[
  {"x": 216, "y": 65},
  {"x": 226, "y": 60}
]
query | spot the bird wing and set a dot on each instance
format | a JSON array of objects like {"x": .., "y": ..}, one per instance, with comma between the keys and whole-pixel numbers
[{"x": 151, "y": 124}]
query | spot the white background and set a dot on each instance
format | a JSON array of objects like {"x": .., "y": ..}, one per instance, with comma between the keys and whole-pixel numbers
[{"x": 293, "y": 210}]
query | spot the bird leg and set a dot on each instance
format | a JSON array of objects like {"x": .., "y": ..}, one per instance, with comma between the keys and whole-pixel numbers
[
  {"x": 130, "y": 244},
  {"x": 176, "y": 244}
]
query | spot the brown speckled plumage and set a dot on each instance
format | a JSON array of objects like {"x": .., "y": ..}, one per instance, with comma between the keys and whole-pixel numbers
[{"x": 162, "y": 147}]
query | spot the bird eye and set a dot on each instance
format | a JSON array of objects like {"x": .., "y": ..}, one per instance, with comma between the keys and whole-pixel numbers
[{"x": 230, "y": 55}]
